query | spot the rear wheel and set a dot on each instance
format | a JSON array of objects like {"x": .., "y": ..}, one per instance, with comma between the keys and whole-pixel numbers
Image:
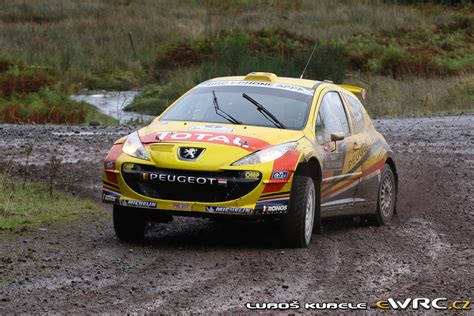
[
  {"x": 297, "y": 224},
  {"x": 129, "y": 223},
  {"x": 386, "y": 199}
]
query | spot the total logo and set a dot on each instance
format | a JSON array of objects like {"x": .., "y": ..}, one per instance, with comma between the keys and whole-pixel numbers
[
  {"x": 203, "y": 137},
  {"x": 274, "y": 209}
]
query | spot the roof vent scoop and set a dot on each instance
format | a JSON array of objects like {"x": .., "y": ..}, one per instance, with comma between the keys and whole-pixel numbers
[{"x": 261, "y": 76}]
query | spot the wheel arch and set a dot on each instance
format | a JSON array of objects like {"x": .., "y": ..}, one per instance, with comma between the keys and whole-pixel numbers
[
  {"x": 391, "y": 162},
  {"x": 312, "y": 168}
]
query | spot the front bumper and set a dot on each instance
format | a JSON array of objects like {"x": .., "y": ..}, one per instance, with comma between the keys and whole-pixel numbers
[{"x": 234, "y": 191}]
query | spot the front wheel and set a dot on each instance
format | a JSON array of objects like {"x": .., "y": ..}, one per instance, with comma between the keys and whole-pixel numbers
[
  {"x": 129, "y": 223},
  {"x": 297, "y": 224},
  {"x": 386, "y": 198}
]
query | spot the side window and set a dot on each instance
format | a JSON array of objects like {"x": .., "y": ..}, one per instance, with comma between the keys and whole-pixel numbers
[
  {"x": 331, "y": 118},
  {"x": 356, "y": 112}
]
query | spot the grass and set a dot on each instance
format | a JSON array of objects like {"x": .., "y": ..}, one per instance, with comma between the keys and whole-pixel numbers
[
  {"x": 34, "y": 207},
  {"x": 180, "y": 43},
  {"x": 389, "y": 97},
  {"x": 86, "y": 42},
  {"x": 440, "y": 50}
]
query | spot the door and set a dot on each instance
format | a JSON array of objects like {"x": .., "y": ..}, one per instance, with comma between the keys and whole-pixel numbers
[
  {"x": 365, "y": 155},
  {"x": 340, "y": 174}
]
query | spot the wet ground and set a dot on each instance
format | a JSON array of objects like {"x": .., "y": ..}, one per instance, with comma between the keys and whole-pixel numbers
[
  {"x": 112, "y": 103},
  {"x": 194, "y": 265}
]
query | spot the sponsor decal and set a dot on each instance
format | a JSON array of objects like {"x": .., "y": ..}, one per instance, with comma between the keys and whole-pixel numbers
[
  {"x": 110, "y": 196},
  {"x": 216, "y": 128},
  {"x": 228, "y": 210},
  {"x": 265, "y": 84},
  {"x": 189, "y": 153},
  {"x": 182, "y": 206},
  {"x": 153, "y": 176},
  {"x": 252, "y": 175},
  {"x": 109, "y": 164},
  {"x": 128, "y": 166},
  {"x": 204, "y": 137},
  {"x": 222, "y": 182},
  {"x": 138, "y": 203},
  {"x": 145, "y": 176},
  {"x": 280, "y": 175},
  {"x": 272, "y": 209}
]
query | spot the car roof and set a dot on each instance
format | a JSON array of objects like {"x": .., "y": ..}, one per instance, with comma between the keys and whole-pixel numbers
[
  {"x": 306, "y": 83},
  {"x": 270, "y": 77}
]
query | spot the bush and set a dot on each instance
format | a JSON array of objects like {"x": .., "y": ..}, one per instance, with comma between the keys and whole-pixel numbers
[
  {"x": 184, "y": 65},
  {"x": 442, "y": 50},
  {"x": 31, "y": 95},
  {"x": 238, "y": 53}
]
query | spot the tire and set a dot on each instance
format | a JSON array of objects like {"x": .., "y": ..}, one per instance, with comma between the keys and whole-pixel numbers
[
  {"x": 386, "y": 198},
  {"x": 297, "y": 223},
  {"x": 129, "y": 223}
]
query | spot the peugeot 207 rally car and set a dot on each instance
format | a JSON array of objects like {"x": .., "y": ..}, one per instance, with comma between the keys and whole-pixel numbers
[{"x": 258, "y": 147}]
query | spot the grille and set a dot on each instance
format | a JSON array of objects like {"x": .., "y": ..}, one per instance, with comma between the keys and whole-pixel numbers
[{"x": 192, "y": 186}]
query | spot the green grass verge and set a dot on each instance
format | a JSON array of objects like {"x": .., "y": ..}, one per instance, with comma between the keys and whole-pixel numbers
[
  {"x": 33, "y": 206},
  {"x": 95, "y": 116}
]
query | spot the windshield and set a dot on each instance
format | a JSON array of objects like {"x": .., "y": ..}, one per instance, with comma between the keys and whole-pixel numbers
[{"x": 288, "y": 104}]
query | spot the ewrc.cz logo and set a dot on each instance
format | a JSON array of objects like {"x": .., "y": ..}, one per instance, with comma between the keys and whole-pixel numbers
[{"x": 440, "y": 303}]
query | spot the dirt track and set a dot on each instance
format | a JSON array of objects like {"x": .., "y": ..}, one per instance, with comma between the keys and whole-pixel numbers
[{"x": 195, "y": 265}]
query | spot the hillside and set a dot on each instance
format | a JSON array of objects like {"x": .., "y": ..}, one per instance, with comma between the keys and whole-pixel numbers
[{"x": 412, "y": 58}]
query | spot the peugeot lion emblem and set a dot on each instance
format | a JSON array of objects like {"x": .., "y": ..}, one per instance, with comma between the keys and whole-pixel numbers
[{"x": 189, "y": 153}]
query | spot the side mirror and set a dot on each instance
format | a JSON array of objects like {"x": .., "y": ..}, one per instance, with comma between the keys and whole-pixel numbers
[{"x": 336, "y": 137}]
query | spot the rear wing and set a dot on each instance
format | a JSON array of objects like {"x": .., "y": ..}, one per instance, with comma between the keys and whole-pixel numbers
[{"x": 361, "y": 92}]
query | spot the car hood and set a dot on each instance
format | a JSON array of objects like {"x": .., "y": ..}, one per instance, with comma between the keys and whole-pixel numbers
[{"x": 223, "y": 144}]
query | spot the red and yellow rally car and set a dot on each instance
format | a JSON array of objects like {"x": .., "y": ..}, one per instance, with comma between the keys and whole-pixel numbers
[{"x": 258, "y": 146}]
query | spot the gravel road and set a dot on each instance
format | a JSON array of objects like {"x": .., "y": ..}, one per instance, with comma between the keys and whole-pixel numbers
[{"x": 195, "y": 265}]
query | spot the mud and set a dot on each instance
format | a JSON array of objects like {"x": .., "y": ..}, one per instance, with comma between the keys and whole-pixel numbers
[{"x": 195, "y": 265}]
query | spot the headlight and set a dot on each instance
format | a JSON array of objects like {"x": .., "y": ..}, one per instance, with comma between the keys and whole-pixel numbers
[
  {"x": 266, "y": 155},
  {"x": 134, "y": 147}
]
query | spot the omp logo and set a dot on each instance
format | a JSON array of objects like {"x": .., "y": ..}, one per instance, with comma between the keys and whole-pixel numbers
[
  {"x": 440, "y": 303},
  {"x": 252, "y": 175}
]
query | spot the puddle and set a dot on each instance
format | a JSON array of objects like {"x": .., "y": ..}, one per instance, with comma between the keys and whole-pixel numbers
[{"x": 112, "y": 103}]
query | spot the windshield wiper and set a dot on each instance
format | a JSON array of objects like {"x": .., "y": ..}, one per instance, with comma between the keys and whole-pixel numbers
[
  {"x": 222, "y": 113},
  {"x": 267, "y": 114}
]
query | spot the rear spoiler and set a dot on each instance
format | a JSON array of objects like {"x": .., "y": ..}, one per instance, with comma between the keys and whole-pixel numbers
[{"x": 361, "y": 92}]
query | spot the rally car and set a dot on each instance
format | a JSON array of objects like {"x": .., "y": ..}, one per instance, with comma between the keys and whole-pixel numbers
[{"x": 256, "y": 147}]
